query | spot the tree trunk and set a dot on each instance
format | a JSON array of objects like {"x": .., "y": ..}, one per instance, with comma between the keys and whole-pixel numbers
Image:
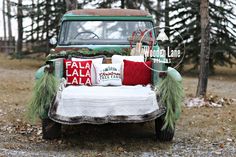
[
  {"x": 205, "y": 48},
  {"x": 9, "y": 18},
  {"x": 71, "y": 4},
  {"x": 47, "y": 20},
  {"x": 122, "y": 6},
  {"x": 37, "y": 21},
  {"x": 32, "y": 14},
  {"x": 20, "y": 28},
  {"x": 158, "y": 17},
  {"x": 4, "y": 19},
  {"x": 10, "y": 40},
  {"x": 131, "y": 4},
  {"x": 167, "y": 19},
  {"x": 4, "y": 25}
]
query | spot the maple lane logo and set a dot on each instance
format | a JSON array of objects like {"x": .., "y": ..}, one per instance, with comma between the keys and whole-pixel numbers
[{"x": 163, "y": 49}]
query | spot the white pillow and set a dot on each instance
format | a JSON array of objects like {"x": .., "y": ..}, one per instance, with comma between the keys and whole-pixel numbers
[
  {"x": 94, "y": 61},
  {"x": 108, "y": 74},
  {"x": 119, "y": 59}
]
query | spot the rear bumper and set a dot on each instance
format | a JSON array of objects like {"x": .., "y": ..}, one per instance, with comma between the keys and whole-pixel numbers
[{"x": 107, "y": 119}]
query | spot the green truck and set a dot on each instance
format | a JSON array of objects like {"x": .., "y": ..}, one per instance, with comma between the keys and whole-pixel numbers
[{"x": 92, "y": 34}]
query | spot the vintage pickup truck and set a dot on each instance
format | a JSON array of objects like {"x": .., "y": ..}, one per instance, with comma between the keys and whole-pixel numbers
[{"x": 111, "y": 90}]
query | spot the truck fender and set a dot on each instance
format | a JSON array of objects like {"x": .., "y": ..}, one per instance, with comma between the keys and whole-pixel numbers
[
  {"x": 174, "y": 74},
  {"x": 39, "y": 73}
]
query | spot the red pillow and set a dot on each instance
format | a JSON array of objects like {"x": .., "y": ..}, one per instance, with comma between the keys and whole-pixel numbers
[
  {"x": 137, "y": 73},
  {"x": 78, "y": 72}
]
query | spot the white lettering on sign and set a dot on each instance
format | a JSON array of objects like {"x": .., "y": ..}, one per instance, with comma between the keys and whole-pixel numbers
[
  {"x": 88, "y": 73},
  {"x": 81, "y": 74},
  {"x": 87, "y": 66},
  {"x": 67, "y": 73},
  {"x": 74, "y": 81},
  {"x": 74, "y": 65},
  {"x": 75, "y": 73},
  {"x": 88, "y": 82},
  {"x": 68, "y": 64}
]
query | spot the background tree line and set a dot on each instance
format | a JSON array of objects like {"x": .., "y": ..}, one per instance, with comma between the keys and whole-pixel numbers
[{"x": 43, "y": 18}]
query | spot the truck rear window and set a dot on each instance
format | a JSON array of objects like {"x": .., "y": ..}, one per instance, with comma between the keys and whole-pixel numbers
[{"x": 99, "y": 32}]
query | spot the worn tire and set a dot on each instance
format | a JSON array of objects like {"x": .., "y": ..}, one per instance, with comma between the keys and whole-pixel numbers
[
  {"x": 163, "y": 135},
  {"x": 51, "y": 130}
]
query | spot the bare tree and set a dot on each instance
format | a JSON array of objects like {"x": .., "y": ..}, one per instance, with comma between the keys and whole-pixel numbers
[
  {"x": 71, "y": 4},
  {"x": 205, "y": 48},
  {"x": 20, "y": 28}
]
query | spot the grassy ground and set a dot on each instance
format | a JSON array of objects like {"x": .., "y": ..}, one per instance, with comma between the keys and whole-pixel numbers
[{"x": 201, "y": 131}]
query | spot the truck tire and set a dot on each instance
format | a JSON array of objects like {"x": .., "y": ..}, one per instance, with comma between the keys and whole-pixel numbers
[
  {"x": 51, "y": 130},
  {"x": 163, "y": 135}
]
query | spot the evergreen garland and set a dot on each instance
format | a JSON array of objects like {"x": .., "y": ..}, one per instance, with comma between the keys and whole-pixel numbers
[
  {"x": 44, "y": 91},
  {"x": 171, "y": 96},
  {"x": 88, "y": 53}
]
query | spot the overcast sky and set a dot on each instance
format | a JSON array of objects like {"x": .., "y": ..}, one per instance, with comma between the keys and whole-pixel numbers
[
  {"x": 14, "y": 22},
  {"x": 27, "y": 21}
]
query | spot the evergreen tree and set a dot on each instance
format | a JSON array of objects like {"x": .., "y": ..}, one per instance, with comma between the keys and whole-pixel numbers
[
  {"x": 186, "y": 20},
  {"x": 45, "y": 19}
]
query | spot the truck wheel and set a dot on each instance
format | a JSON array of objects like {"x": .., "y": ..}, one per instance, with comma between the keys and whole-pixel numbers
[
  {"x": 163, "y": 135},
  {"x": 51, "y": 129}
]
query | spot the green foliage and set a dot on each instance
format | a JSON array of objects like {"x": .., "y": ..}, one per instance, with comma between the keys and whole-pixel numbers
[
  {"x": 44, "y": 20},
  {"x": 186, "y": 20},
  {"x": 87, "y": 53},
  {"x": 44, "y": 91},
  {"x": 171, "y": 96}
]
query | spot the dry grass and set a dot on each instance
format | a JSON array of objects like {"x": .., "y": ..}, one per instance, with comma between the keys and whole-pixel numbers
[
  {"x": 27, "y": 63},
  {"x": 221, "y": 72}
]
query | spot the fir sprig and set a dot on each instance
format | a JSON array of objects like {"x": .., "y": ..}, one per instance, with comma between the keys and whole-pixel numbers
[
  {"x": 44, "y": 91},
  {"x": 171, "y": 96}
]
